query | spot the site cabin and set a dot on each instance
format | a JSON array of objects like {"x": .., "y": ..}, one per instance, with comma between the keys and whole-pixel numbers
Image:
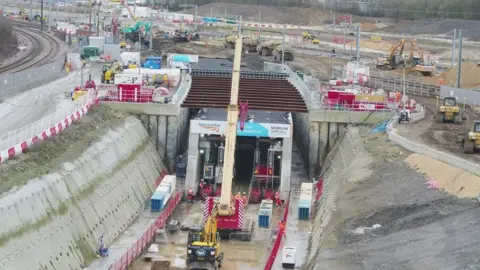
[{"x": 288, "y": 257}]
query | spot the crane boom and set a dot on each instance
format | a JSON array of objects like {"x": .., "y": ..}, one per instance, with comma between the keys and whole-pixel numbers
[{"x": 226, "y": 207}]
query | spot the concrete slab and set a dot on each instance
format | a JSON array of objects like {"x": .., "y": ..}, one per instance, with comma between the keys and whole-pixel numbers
[
  {"x": 297, "y": 231},
  {"x": 333, "y": 116}
]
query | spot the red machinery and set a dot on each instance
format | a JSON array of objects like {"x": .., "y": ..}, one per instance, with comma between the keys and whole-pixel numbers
[
  {"x": 206, "y": 190},
  {"x": 256, "y": 195},
  {"x": 269, "y": 194}
]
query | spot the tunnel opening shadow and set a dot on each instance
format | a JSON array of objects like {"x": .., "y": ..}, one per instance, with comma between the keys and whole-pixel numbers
[{"x": 244, "y": 155}]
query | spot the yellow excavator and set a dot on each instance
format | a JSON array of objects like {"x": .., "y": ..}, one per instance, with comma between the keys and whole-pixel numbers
[
  {"x": 203, "y": 246},
  {"x": 392, "y": 60},
  {"x": 109, "y": 71},
  {"x": 417, "y": 65}
]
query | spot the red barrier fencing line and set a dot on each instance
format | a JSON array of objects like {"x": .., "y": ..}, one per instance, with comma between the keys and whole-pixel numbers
[
  {"x": 132, "y": 253},
  {"x": 278, "y": 241}
]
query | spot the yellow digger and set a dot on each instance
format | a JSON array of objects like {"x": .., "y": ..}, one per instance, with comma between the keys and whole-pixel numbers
[
  {"x": 471, "y": 138},
  {"x": 417, "y": 65},
  {"x": 450, "y": 112},
  {"x": 203, "y": 247},
  {"x": 392, "y": 60},
  {"x": 108, "y": 72}
]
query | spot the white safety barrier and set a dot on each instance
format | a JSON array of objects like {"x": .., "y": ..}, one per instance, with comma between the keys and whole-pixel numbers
[
  {"x": 16, "y": 142},
  {"x": 429, "y": 151}
]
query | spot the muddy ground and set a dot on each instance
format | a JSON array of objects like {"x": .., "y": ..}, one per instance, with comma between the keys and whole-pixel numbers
[
  {"x": 438, "y": 135},
  {"x": 392, "y": 220},
  {"x": 47, "y": 156}
]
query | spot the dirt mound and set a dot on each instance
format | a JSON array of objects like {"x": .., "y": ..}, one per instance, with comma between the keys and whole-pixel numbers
[
  {"x": 68, "y": 145},
  {"x": 470, "y": 75},
  {"x": 8, "y": 41}
]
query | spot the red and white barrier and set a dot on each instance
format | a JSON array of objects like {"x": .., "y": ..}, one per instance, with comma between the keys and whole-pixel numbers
[{"x": 21, "y": 147}]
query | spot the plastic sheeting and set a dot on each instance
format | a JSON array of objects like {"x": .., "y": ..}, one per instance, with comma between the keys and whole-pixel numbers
[{"x": 380, "y": 127}]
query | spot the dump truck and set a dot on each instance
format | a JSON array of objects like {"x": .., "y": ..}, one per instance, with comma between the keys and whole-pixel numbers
[
  {"x": 249, "y": 43},
  {"x": 287, "y": 55},
  {"x": 266, "y": 48}
]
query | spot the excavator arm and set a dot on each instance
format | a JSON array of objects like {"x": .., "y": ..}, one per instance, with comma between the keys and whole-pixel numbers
[
  {"x": 412, "y": 50},
  {"x": 124, "y": 2},
  {"x": 210, "y": 230},
  {"x": 400, "y": 44},
  {"x": 226, "y": 207}
]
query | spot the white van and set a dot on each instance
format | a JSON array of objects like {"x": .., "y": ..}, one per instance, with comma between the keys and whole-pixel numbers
[{"x": 288, "y": 257}]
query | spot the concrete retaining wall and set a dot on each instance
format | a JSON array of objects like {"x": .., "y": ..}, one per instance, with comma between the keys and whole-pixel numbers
[
  {"x": 55, "y": 221},
  {"x": 453, "y": 160},
  {"x": 335, "y": 173}
]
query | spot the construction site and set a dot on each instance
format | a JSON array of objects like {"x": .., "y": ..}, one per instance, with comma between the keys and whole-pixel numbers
[{"x": 257, "y": 150}]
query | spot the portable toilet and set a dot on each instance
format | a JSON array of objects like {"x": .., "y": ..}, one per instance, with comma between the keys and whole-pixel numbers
[
  {"x": 305, "y": 202},
  {"x": 156, "y": 201},
  {"x": 265, "y": 213}
]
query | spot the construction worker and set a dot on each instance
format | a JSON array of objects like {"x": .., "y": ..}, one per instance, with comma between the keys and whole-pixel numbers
[
  {"x": 238, "y": 196},
  {"x": 190, "y": 195},
  {"x": 278, "y": 202},
  {"x": 244, "y": 198},
  {"x": 281, "y": 226}
]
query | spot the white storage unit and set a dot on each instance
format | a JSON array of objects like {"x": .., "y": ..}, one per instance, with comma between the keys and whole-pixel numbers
[{"x": 288, "y": 257}]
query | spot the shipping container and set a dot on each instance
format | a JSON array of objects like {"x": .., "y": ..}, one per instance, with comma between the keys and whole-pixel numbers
[
  {"x": 157, "y": 201},
  {"x": 263, "y": 221},
  {"x": 265, "y": 213},
  {"x": 305, "y": 201}
]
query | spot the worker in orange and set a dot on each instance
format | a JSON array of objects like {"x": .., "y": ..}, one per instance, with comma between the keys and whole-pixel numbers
[
  {"x": 278, "y": 202},
  {"x": 190, "y": 195},
  {"x": 238, "y": 196},
  {"x": 244, "y": 198}
]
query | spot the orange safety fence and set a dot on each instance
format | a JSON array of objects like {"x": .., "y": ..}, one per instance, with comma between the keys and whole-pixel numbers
[
  {"x": 278, "y": 240},
  {"x": 136, "y": 249}
]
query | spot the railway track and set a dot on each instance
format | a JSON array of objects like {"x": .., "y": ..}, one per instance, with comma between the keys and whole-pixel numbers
[{"x": 39, "y": 53}]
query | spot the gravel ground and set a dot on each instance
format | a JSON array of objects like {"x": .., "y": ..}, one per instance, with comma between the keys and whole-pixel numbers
[{"x": 417, "y": 227}]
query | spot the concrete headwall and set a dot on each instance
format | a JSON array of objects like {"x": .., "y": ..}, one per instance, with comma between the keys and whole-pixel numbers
[
  {"x": 55, "y": 221},
  {"x": 335, "y": 173}
]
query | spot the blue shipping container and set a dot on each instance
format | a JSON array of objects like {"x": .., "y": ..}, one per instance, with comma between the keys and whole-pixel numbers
[
  {"x": 156, "y": 201},
  {"x": 303, "y": 213},
  {"x": 263, "y": 221}
]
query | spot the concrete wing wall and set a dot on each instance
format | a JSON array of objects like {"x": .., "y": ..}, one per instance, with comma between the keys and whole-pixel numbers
[
  {"x": 335, "y": 173},
  {"x": 56, "y": 220}
]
